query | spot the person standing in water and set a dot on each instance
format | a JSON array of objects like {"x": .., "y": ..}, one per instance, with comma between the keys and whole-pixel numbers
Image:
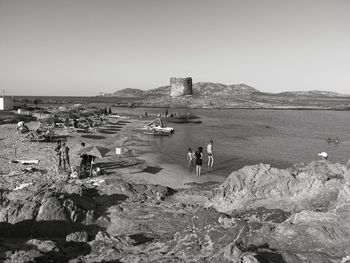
[
  {"x": 210, "y": 154},
  {"x": 199, "y": 156},
  {"x": 190, "y": 157}
]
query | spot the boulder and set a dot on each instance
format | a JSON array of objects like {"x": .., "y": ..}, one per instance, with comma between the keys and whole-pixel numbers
[
  {"x": 51, "y": 210},
  {"x": 315, "y": 187},
  {"x": 311, "y": 234},
  {"x": 71, "y": 189},
  {"x": 52, "y": 219},
  {"x": 44, "y": 246},
  {"x": 77, "y": 237}
]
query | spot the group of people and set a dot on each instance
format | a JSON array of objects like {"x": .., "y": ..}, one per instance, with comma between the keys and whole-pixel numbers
[
  {"x": 196, "y": 158},
  {"x": 62, "y": 152}
]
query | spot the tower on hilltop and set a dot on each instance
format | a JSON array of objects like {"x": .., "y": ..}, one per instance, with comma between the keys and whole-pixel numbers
[{"x": 180, "y": 87}]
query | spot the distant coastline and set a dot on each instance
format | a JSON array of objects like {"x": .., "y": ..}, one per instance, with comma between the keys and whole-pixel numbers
[{"x": 271, "y": 102}]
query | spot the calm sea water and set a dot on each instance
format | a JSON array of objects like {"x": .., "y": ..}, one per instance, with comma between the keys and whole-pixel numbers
[{"x": 278, "y": 137}]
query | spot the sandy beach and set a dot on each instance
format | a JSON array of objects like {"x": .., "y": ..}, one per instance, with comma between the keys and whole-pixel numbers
[
  {"x": 144, "y": 207},
  {"x": 139, "y": 162}
]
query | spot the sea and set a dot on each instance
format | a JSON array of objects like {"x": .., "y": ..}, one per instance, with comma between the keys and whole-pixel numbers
[{"x": 242, "y": 137}]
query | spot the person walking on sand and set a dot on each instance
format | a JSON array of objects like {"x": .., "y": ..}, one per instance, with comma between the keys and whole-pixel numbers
[
  {"x": 59, "y": 156},
  {"x": 199, "y": 156},
  {"x": 65, "y": 156},
  {"x": 190, "y": 157},
  {"x": 210, "y": 154}
]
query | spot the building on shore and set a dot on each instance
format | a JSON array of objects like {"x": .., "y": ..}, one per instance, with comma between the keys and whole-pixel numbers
[
  {"x": 6, "y": 103},
  {"x": 103, "y": 94},
  {"x": 180, "y": 87}
]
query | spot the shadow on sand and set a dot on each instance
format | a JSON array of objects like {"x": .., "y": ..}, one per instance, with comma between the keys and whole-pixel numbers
[{"x": 150, "y": 169}]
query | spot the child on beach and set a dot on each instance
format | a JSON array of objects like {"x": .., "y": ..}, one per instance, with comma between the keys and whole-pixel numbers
[
  {"x": 199, "y": 157},
  {"x": 190, "y": 157},
  {"x": 210, "y": 154}
]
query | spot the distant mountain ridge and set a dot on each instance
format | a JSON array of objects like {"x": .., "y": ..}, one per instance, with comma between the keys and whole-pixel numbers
[
  {"x": 199, "y": 89},
  {"x": 242, "y": 96},
  {"x": 209, "y": 89},
  {"x": 218, "y": 89},
  {"x": 313, "y": 93}
]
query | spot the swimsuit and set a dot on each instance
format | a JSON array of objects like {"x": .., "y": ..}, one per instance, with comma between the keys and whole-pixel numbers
[
  {"x": 210, "y": 150},
  {"x": 198, "y": 158}
]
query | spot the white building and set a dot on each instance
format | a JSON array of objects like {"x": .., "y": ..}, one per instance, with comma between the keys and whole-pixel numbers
[{"x": 6, "y": 103}]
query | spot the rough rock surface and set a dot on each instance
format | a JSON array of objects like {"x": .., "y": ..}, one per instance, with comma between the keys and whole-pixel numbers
[
  {"x": 259, "y": 214},
  {"x": 311, "y": 187}
]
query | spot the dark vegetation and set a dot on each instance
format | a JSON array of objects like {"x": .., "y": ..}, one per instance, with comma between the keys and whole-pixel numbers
[{"x": 7, "y": 117}]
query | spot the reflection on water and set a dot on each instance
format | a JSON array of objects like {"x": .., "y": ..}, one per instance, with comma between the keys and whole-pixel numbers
[{"x": 278, "y": 137}]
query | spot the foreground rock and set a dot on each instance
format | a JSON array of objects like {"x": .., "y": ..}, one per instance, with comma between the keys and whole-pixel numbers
[
  {"x": 316, "y": 186},
  {"x": 259, "y": 214}
]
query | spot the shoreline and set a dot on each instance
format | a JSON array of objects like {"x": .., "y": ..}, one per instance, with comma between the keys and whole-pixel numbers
[{"x": 140, "y": 162}]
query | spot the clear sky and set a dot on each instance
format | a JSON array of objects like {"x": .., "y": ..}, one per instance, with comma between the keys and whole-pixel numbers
[{"x": 82, "y": 47}]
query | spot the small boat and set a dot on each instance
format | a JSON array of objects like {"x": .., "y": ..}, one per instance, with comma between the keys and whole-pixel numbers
[{"x": 156, "y": 126}]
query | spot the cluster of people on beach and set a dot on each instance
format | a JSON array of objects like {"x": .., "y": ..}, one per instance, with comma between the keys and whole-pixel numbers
[
  {"x": 62, "y": 152},
  {"x": 63, "y": 160},
  {"x": 196, "y": 158}
]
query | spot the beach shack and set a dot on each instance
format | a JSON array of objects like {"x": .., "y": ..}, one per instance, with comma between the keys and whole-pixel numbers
[{"x": 6, "y": 103}]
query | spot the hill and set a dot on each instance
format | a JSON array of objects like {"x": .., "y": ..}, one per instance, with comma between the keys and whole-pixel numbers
[
  {"x": 199, "y": 89},
  {"x": 218, "y": 95},
  {"x": 218, "y": 89},
  {"x": 129, "y": 93}
]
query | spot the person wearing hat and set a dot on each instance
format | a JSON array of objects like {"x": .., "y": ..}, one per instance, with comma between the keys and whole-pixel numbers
[{"x": 323, "y": 155}]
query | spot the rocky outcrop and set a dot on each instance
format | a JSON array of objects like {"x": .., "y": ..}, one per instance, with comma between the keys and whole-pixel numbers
[
  {"x": 205, "y": 89},
  {"x": 311, "y": 187},
  {"x": 259, "y": 214}
]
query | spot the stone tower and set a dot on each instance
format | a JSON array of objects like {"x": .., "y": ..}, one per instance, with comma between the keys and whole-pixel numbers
[{"x": 180, "y": 87}]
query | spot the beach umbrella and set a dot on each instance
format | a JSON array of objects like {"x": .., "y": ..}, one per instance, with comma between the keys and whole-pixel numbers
[{"x": 95, "y": 151}]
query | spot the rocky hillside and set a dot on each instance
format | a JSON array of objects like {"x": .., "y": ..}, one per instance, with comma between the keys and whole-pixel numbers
[
  {"x": 199, "y": 89},
  {"x": 129, "y": 93},
  {"x": 218, "y": 89},
  {"x": 217, "y": 95}
]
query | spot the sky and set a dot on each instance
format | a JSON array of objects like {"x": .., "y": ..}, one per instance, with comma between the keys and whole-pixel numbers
[{"x": 83, "y": 47}]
